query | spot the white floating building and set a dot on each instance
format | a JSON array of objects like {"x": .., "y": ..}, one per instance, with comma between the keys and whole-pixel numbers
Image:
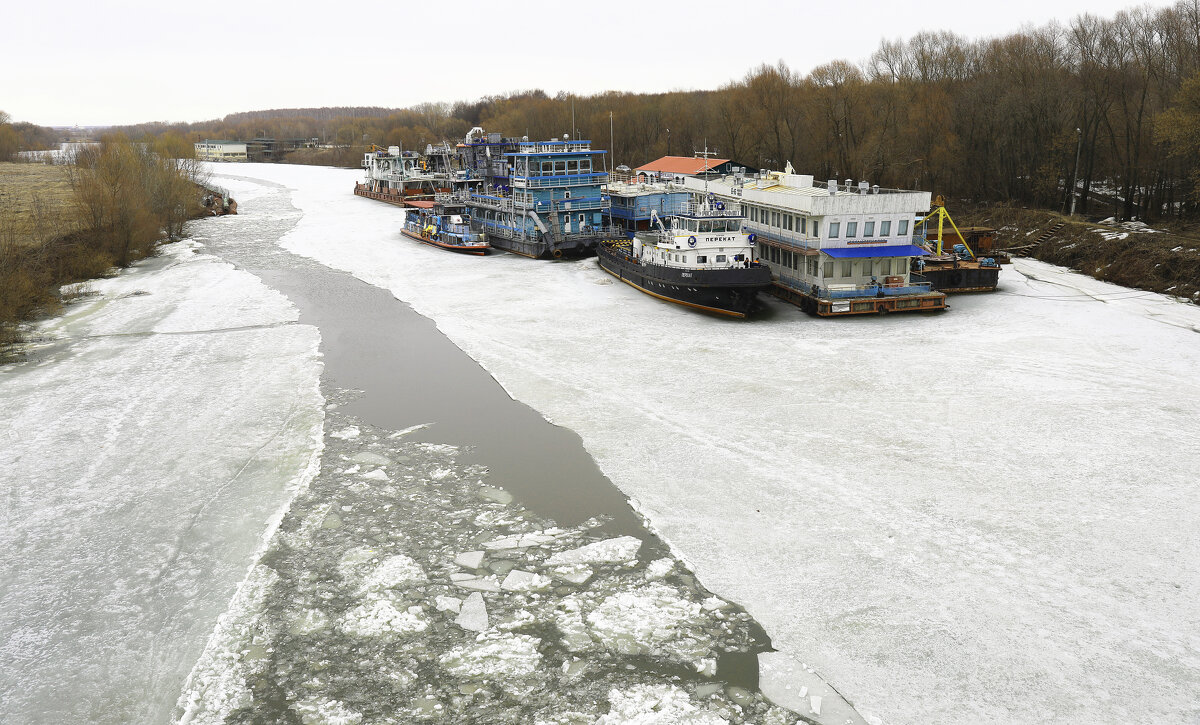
[
  {"x": 834, "y": 248},
  {"x": 222, "y": 151}
]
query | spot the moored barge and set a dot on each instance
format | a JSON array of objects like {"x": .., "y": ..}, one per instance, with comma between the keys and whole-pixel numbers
[
  {"x": 540, "y": 199},
  {"x": 833, "y": 249},
  {"x": 964, "y": 262}
]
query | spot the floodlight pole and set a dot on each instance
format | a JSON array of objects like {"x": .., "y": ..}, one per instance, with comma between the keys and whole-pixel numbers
[{"x": 1075, "y": 176}]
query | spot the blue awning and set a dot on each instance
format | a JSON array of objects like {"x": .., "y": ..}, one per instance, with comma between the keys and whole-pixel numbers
[{"x": 896, "y": 250}]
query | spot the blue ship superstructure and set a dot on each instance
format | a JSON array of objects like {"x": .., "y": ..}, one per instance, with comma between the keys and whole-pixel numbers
[
  {"x": 633, "y": 201},
  {"x": 542, "y": 199}
]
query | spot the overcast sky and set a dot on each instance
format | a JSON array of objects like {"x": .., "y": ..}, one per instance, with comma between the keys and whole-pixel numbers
[{"x": 98, "y": 62}]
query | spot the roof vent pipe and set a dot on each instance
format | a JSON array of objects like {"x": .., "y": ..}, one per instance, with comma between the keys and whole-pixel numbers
[
  {"x": 832, "y": 186},
  {"x": 864, "y": 187}
]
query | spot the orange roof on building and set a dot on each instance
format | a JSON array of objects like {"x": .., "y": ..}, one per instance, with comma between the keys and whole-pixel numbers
[
  {"x": 419, "y": 203},
  {"x": 681, "y": 165}
]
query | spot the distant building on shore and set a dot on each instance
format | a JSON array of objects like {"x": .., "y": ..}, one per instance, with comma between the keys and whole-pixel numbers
[
  {"x": 209, "y": 150},
  {"x": 256, "y": 149}
]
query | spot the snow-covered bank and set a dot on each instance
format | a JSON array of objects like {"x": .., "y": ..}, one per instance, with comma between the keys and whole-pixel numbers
[
  {"x": 982, "y": 516},
  {"x": 144, "y": 454}
]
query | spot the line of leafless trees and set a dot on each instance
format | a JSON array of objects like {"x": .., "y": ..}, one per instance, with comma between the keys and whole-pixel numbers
[{"x": 991, "y": 119}]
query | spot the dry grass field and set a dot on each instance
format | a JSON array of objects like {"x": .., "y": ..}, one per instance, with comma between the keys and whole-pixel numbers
[{"x": 36, "y": 202}]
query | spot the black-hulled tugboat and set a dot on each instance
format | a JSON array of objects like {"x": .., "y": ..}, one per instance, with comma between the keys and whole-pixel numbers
[
  {"x": 443, "y": 226},
  {"x": 703, "y": 259}
]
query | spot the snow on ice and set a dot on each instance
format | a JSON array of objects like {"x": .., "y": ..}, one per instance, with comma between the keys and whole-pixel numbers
[
  {"x": 936, "y": 513},
  {"x": 149, "y": 446}
]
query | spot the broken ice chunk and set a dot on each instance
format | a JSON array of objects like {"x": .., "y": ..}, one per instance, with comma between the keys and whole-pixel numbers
[
  {"x": 525, "y": 581},
  {"x": 479, "y": 584},
  {"x": 520, "y": 541},
  {"x": 372, "y": 458},
  {"x": 815, "y": 704},
  {"x": 459, "y": 576},
  {"x": 376, "y": 475},
  {"x": 609, "y": 551},
  {"x": 656, "y": 704},
  {"x": 308, "y": 621},
  {"x": 469, "y": 559},
  {"x": 378, "y": 617},
  {"x": 448, "y": 604},
  {"x": 474, "y": 614},
  {"x": 313, "y": 711},
  {"x": 346, "y": 433},
  {"x": 495, "y": 494},
  {"x": 659, "y": 568},
  {"x": 508, "y": 654},
  {"x": 574, "y": 573},
  {"x": 394, "y": 571}
]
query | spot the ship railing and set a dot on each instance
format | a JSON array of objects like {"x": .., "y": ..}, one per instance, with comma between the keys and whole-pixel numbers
[
  {"x": 595, "y": 230},
  {"x": 782, "y": 236},
  {"x": 541, "y": 147},
  {"x": 833, "y": 290},
  {"x": 590, "y": 203},
  {"x": 710, "y": 208},
  {"x": 542, "y": 182}
]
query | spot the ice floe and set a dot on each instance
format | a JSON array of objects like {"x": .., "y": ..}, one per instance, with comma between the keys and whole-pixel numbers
[
  {"x": 610, "y": 551},
  {"x": 473, "y": 614}
]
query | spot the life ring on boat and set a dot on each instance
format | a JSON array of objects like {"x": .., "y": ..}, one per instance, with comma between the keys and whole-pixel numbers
[
  {"x": 751, "y": 238},
  {"x": 557, "y": 254},
  {"x": 720, "y": 206},
  {"x": 692, "y": 241}
]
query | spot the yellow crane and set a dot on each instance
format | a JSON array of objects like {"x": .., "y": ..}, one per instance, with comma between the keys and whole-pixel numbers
[{"x": 943, "y": 216}]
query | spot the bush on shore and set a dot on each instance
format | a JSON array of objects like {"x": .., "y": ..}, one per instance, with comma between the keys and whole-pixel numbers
[{"x": 128, "y": 197}]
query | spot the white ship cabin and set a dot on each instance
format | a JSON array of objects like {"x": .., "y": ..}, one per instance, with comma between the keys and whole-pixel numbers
[
  {"x": 392, "y": 169},
  {"x": 829, "y": 238},
  {"x": 702, "y": 234}
]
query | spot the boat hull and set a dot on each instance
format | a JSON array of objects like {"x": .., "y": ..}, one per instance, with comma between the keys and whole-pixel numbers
[
  {"x": 476, "y": 249},
  {"x": 963, "y": 277},
  {"x": 730, "y": 292},
  {"x": 543, "y": 249}
]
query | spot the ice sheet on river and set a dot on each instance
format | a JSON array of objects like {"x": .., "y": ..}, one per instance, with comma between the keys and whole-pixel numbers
[
  {"x": 144, "y": 452},
  {"x": 986, "y": 515}
]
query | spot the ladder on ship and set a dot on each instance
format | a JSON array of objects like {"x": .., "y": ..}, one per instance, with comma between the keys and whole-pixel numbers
[{"x": 556, "y": 233}]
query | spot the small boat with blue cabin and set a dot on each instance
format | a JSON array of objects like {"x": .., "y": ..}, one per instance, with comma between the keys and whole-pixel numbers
[
  {"x": 701, "y": 258},
  {"x": 442, "y": 225}
]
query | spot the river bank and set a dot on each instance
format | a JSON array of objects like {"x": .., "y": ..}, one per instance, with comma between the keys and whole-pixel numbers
[
  {"x": 110, "y": 206},
  {"x": 1132, "y": 254}
]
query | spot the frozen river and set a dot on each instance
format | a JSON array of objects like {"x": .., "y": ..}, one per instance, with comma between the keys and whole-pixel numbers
[{"x": 981, "y": 516}]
